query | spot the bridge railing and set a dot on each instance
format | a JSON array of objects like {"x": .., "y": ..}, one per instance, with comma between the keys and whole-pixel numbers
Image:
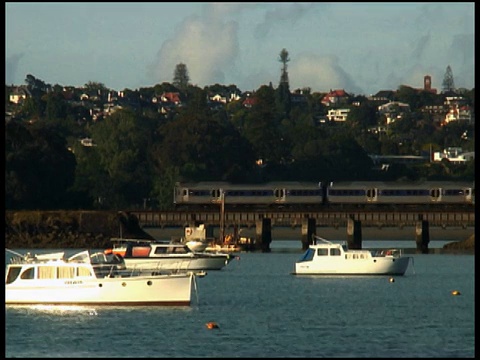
[{"x": 296, "y": 218}]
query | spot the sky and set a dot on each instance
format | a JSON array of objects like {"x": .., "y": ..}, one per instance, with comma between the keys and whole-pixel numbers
[{"x": 362, "y": 48}]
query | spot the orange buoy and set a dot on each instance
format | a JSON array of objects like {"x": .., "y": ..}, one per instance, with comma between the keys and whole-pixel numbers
[
  {"x": 455, "y": 292},
  {"x": 211, "y": 325}
]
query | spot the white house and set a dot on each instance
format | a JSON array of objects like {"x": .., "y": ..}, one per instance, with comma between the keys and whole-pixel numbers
[{"x": 338, "y": 114}]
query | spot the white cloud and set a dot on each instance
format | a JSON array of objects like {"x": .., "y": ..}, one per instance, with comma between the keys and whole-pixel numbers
[
  {"x": 320, "y": 73},
  {"x": 206, "y": 45}
]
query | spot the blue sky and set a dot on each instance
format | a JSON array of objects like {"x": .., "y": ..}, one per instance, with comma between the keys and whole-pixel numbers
[{"x": 359, "y": 47}]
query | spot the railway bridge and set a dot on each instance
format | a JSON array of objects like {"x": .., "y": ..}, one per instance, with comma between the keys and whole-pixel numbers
[
  {"x": 326, "y": 218},
  {"x": 353, "y": 220}
]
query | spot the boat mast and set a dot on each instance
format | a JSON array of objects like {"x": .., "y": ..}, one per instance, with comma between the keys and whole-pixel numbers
[{"x": 222, "y": 216}]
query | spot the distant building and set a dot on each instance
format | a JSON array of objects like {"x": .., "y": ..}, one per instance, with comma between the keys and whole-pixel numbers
[
  {"x": 454, "y": 155},
  {"x": 338, "y": 114},
  {"x": 87, "y": 142},
  {"x": 427, "y": 84},
  {"x": 393, "y": 110},
  {"x": 19, "y": 94},
  {"x": 335, "y": 98}
]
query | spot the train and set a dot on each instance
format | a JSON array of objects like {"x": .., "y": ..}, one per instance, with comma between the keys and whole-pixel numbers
[{"x": 322, "y": 195}]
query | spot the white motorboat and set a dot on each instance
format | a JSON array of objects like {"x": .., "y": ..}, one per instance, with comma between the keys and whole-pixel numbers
[
  {"x": 197, "y": 245},
  {"x": 327, "y": 258},
  {"x": 91, "y": 279},
  {"x": 154, "y": 254},
  {"x": 195, "y": 238}
]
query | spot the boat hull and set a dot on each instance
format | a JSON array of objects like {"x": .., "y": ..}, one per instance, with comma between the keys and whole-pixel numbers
[
  {"x": 168, "y": 290},
  {"x": 371, "y": 266}
]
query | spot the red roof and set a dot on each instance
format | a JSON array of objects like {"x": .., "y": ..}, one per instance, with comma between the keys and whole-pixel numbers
[
  {"x": 249, "y": 101},
  {"x": 172, "y": 97}
]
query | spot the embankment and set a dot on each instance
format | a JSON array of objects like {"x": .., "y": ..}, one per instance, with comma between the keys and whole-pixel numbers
[
  {"x": 94, "y": 229},
  {"x": 68, "y": 229}
]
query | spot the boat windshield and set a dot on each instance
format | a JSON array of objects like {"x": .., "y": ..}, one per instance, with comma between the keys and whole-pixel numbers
[{"x": 307, "y": 255}]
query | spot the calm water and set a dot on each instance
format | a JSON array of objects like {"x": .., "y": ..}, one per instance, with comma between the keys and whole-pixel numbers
[{"x": 264, "y": 311}]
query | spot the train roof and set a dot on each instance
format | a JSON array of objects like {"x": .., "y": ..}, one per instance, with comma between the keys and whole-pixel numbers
[
  {"x": 215, "y": 184},
  {"x": 400, "y": 184}
]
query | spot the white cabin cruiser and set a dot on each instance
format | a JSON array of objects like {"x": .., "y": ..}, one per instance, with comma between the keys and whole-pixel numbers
[
  {"x": 327, "y": 258},
  {"x": 90, "y": 279}
]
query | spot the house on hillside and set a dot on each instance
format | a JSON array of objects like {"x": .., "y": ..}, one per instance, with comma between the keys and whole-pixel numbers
[
  {"x": 335, "y": 98},
  {"x": 393, "y": 110},
  {"x": 249, "y": 101},
  {"x": 382, "y": 97},
  {"x": 454, "y": 155},
  {"x": 19, "y": 94},
  {"x": 338, "y": 115}
]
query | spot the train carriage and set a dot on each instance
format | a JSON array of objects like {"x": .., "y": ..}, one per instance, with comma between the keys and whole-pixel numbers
[
  {"x": 398, "y": 193},
  {"x": 269, "y": 194},
  {"x": 322, "y": 195}
]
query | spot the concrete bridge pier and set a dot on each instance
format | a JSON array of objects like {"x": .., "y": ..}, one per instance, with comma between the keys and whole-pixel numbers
[
  {"x": 354, "y": 233},
  {"x": 263, "y": 234},
  {"x": 422, "y": 235},
  {"x": 309, "y": 227},
  {"x": 209, "y": 231}
]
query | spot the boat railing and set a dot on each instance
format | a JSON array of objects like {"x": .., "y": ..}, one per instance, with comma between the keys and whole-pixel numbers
[
  {"x": 127, "y": 240},
  {"x": 161, "y": 268},
  {"x": 316, "y": 238},
  {"x": 388, "y": 253},
  {"x": 18, "y": 258}
]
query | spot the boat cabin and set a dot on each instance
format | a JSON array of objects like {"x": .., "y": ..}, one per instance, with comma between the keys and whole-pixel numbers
[{"x": 131, "y": 248}]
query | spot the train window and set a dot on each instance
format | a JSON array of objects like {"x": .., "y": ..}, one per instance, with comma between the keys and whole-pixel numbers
[
  {"x": 185, "y": 192},
  {"x": 215, "y": 193},
  {"x": 454, "y": 192},
  {"x": 435, "y": 193},
  {"x": 371, "y": 193}
]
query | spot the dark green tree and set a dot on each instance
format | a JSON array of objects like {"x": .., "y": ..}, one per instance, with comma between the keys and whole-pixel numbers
[
  {"x": 33, "y": 158},
  {"x": 55, "y": 107},
  {"x": 363, "y": 116},
  {"x": 448, "y": 84},
  {"x": 123, "y": 141},
  {"x": 180, "y": 77},
  {"x": 262, "y": 130},
  {"x": 202, "y": 148}
]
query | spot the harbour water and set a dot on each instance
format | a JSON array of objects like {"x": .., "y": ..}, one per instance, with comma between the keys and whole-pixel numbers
[{"x": 263, "y": 311}]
